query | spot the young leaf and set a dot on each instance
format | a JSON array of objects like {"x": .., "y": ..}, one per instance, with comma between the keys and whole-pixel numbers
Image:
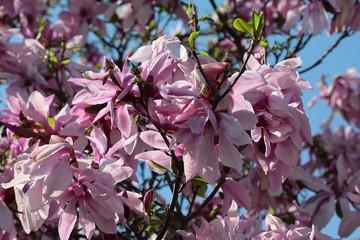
[
  {"x": 51, "y": 122},
  {"x": 203, "y": 53},
  {"x": 199, "y": 186},
  {"x": 164, "y": 169},
  {"x": 188, "y": 10},
  {"x": 192, "y": 38},
  {"x": 243, "y": 26},
  {"x": 206, "y": 19},
  {"x": 260, "y": 23},
  {"x": 255, "y": 19},
  {"x": 264, "y": 44},
  {"x": 65, "y": 61}
]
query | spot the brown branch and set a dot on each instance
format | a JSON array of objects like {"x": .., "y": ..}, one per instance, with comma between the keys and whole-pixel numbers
[
  {"x": 332, "y": 47},
  {"x": 207, "y": 200},
  {"x": 242, "y": 70}
]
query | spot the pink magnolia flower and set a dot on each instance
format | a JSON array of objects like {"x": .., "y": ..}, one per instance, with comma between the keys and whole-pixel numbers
[
  {"x": 276, "y": 229},
  {"x": 28, "y": 11},
  {"x": 282, "y": 124},
  {"x": 315, "y": 18},
  {"x": 7, "y": 228},
  {"x": 345, "y": 14},
  {"x": 226, "y": 227},
  {"x": 87, "y": 13},
  {"x": 93, "y": 194},
  {"x": 338, "y": 164},
  {"x": 343, "y": 96}
]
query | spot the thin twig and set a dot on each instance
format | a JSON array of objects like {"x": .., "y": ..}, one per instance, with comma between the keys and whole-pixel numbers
[
  {"x": 202, "y": 71},
  {"x": 332, "y": 47},
  {"x": 172, "y": 205},
  {"x": 207, "y": 200},
  {"x": 225, "y": 27},
  {"x": 242, "y": 70}
]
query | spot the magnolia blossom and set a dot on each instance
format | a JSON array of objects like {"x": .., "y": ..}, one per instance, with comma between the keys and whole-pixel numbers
[
  {"x": 276, "y": 229},
  {"x": 282, "y": 124},
  {"x": 227, "y": 227},
  {"x": 92, "y": 193},
  {"x": 339, "y": 160},
  {"x": 315, "y": 15},
  {"x": 77, "y": 136},
  {"x": 343, "y": 96}
]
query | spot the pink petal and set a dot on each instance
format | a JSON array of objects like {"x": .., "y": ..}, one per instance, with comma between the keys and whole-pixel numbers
[
  {"x": 197, "y": 123},
  {"x": 67, "y": 220},
  {"x": 98, "y": 140},
  {"x": 228, "y": 153},
  {"x": 142, "y": 54},
  {"x": 239, "y": 193},
  {"x": 94, "y": 76},
  {"x": 123, "y": 120},
  {"x": 233, "y": 130},
  {"x": 287, "y": 152},
  {"x": 291, "y": 62},
  {"x": 274, "y": 223},
  {"x": 154, "y": 139},
  {"x": 6, "y": 217},
  {"x": 114, "y": 171},
  {"x": 158, "y": 157},
  {"x": 196, "y": 155},
  {"x": 33, "y": 198},
  {"x": 248, "y": 81},
  {"x": 86, "y": 221},
  {"x": 314, "y": 183},
  {"x": 349, "y": 223},
  {"x": 58, "y": 180}
]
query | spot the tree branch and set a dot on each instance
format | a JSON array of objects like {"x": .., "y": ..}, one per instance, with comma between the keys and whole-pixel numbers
[
  {"x": 207, "y": 200},
  {"x": 332, "y": 47}
]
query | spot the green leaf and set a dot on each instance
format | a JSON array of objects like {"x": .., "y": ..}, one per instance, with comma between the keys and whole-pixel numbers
[
  {"x": 243, "y": 26},
  {"x": 75, "y": 48},
  {"x": 92, "y": 109},
  {"x": 155, "y": 222},
  {"x": 88, "y": 130},
  {"x": 152, "y": 25},
  {"x": 51, "y": 122},
  {"x": 188, "y": 10},
  {"x": 272, "y": 211},
  {"x": 206, "y": 19},
  {"x": 38, "y": 126},
  {"x": 137, "y": 118},
  {"x": 199, "y": 186},
  {"x": 65, "y": 61},
  {"x": 158, "y": 166},
  {"x": 6, "y": 153},
  {"x": 255, "y": 19},
  {"x": 14, "y": 136},
  {"x": 259, "y": 26},
  {"x": 53, "y": 59},
  {"x": 203, "y": 53},
  {"x": 264, "y": 44},
  {"x": 192, "y": 38}
]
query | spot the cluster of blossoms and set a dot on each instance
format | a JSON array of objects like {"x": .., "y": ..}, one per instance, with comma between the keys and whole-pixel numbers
[
  {"x": 162, "y": 111},
  {"x": 342, "y": 95},
  {"x": 287, "y": 14},
  {"x": 337, "y": 156},
  {"x": 89, "y": 153}
]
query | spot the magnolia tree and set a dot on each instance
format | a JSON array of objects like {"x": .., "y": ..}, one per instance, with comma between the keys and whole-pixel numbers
[{"x": 143, "y": 119}]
